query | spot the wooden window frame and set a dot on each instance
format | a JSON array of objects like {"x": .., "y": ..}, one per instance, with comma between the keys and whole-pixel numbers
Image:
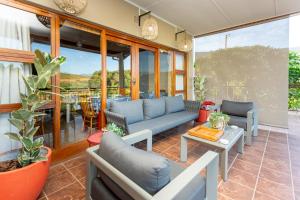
[{"x": 180, "y": 72}]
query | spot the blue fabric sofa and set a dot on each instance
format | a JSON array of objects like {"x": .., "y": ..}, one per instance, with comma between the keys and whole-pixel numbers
[{"x": 157, "y": 115}]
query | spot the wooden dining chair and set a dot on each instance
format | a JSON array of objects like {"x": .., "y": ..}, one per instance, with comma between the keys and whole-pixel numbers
[{"x": 89, "y": 116}]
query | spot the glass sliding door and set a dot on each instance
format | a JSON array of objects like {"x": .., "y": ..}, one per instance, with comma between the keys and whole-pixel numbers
[
  {"x": 165, "y": 73},
  {"x": 146, "y": 73},
  {"x": 80, "y": 80},
  {"x": 118, "y": 64}
]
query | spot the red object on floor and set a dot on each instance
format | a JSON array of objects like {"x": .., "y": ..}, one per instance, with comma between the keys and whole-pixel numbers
[
  {"x": 95, "y": 138},
  {"x": 204, "y": 111}
]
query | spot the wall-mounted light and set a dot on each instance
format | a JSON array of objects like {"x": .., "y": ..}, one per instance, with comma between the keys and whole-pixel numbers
[
  {"x": 183, "y": 43},
  {"x": 149, "y": 27}
]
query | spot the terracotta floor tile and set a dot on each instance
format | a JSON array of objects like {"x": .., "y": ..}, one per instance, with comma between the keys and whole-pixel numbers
[
  {"x": 278, "y": 140},
  {"x": 275, "y": 156},
  {"x": 74, "y": 192},
  {"x": 263, "y": 196},
  {"x": 55, "y": 183},
  {"x": 276, "y": 176},
  {"x": 246, "y": 166},
  {"x": 75, "y": 162},
  {"x": 56, "y": 169},
  {"x": 83, "y": 182},
  {"x": 251, "y": 158},
  {"x": 235, "y": 191},
  {"x": 296, "y": 182},
  {"x": 79, "y": 171},
  {"x": 279, "y": 165},
  {"x": 274, "y": 189},
  {"x": 272, "y": 146},
  {"x": 223, "y": 197},
  {"x": 242, "y": 177}
]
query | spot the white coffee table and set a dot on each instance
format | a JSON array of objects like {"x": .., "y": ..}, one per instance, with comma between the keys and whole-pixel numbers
[{"x": 231, "y": 134}]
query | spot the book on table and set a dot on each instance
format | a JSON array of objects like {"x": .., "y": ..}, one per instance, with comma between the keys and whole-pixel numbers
[{"x": 206, "y": 133}]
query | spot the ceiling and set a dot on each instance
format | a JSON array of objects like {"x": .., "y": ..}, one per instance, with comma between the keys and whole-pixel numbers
[{"x": 204, "y": 16}]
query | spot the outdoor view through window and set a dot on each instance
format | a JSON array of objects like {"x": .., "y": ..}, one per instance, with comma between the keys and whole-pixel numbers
[{"x": 251, "y": 64}]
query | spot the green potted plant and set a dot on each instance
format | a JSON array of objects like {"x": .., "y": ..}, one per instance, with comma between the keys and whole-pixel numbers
[
  {"x": 218, "y": 120},
  {"x": 115, "y": 129},
  {"x": 24, "y": 177},
  {"x": 199, "y": 87}
]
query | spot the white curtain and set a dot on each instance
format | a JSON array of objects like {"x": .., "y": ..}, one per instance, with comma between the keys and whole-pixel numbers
[{"x": 14, "y": 34}]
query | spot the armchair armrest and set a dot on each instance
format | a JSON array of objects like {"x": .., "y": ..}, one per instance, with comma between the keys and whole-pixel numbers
[
  {"x": 182, "y": 182},
  {"x": 192, "y": 106},
  {"x": 140, "y": 136},
  {"x": 117, "y": 119}
]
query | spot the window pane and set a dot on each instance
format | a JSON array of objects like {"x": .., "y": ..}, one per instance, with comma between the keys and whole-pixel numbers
[
  {"x": 179, "y": 61},
  {"x": 165, "y": 74},
  {"x": 147, "y": 83},
  {"x": 118, "y": 72},
  {"x": 179, "y": 82},
  {"x": 80, "y": 79}
]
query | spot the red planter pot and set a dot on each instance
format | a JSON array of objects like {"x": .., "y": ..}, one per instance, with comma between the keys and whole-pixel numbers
[{"x": 25, "y": 183}]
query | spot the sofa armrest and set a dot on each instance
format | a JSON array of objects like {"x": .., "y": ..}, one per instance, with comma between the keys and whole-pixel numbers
[
  {"x": 192, "y": 106},
  {"x": 210, "y": 161},
  {"x": 117, "y": 119},
  {"x": 140, "y": 136}
]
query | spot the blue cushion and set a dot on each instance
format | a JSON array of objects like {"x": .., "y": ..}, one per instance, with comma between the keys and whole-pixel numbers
[
  {"x": 163, "y": 123},
  {"x": 236, "y": 108},
  {"x": 174, "y": 104},
  {"x": 147, "y": 169},
  {"x": 132, "y": 110},
  {"x": 154, "y": 108}
]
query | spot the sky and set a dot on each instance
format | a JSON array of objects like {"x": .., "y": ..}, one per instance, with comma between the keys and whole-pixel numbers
[
  {"x": 278, "y": 34},
  {"x": 82, "y": 62}
]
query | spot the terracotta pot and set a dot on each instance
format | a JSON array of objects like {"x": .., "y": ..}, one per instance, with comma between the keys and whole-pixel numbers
[{"x": 25, "y": 183}]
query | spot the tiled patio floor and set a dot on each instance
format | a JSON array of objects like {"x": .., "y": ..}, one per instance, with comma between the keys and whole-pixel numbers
[{"x": 268, "y": 170}]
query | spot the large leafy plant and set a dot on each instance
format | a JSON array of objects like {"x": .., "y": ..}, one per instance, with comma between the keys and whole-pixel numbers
[{"x": 24, "y": 119}]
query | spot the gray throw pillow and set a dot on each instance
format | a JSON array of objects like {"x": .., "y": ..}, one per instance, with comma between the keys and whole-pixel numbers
[
  {"x": 132, "y": 110},
  {"x": 236, "y": 108},
  {"x": 149, "y": 170},
  {"x": 154, "y": 108},
  {"x": 174, "y": 104}
]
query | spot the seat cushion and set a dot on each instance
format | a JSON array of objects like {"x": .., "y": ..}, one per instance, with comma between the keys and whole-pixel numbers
[
  {"x": 154, "y": 108},
  {"x": 174, "y": 104},
  {"x": 147, "y": 169},
  {"x": 132, "y": 110},
  {"x": 164, "y": 122},
  {"x": 197, "y": 190},
  {"x": 236, "y": 108},
  {"x": 238, "y": 121}
]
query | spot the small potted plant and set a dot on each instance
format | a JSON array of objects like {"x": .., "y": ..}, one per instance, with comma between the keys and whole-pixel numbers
[
  {"x": 115, "y": 129},
  {"x": 218, "y": 120},
  {"x": 24, "y": 177}
]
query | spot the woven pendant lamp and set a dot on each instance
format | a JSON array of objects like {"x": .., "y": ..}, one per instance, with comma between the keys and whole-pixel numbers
[
  {"x": 149, "y": 27},
  {"x": 73, "y": 7}
]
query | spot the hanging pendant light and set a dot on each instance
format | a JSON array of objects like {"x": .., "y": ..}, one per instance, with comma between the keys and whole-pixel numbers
[
  {"x": 149, "y": 27},
  {"x": 73, "y": 7},
  {"x": 183, "y": 43}
]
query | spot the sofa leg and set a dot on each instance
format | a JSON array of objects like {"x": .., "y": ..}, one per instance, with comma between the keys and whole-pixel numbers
[{"x": 255, "y": 132}]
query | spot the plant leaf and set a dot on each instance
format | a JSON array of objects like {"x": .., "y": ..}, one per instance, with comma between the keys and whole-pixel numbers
[
  {"x": 22, "y": 114},
  {"x": 40, "y": 158},
  {"x": 14, "y": 136},
  {"x": 19, "y": 124}
]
